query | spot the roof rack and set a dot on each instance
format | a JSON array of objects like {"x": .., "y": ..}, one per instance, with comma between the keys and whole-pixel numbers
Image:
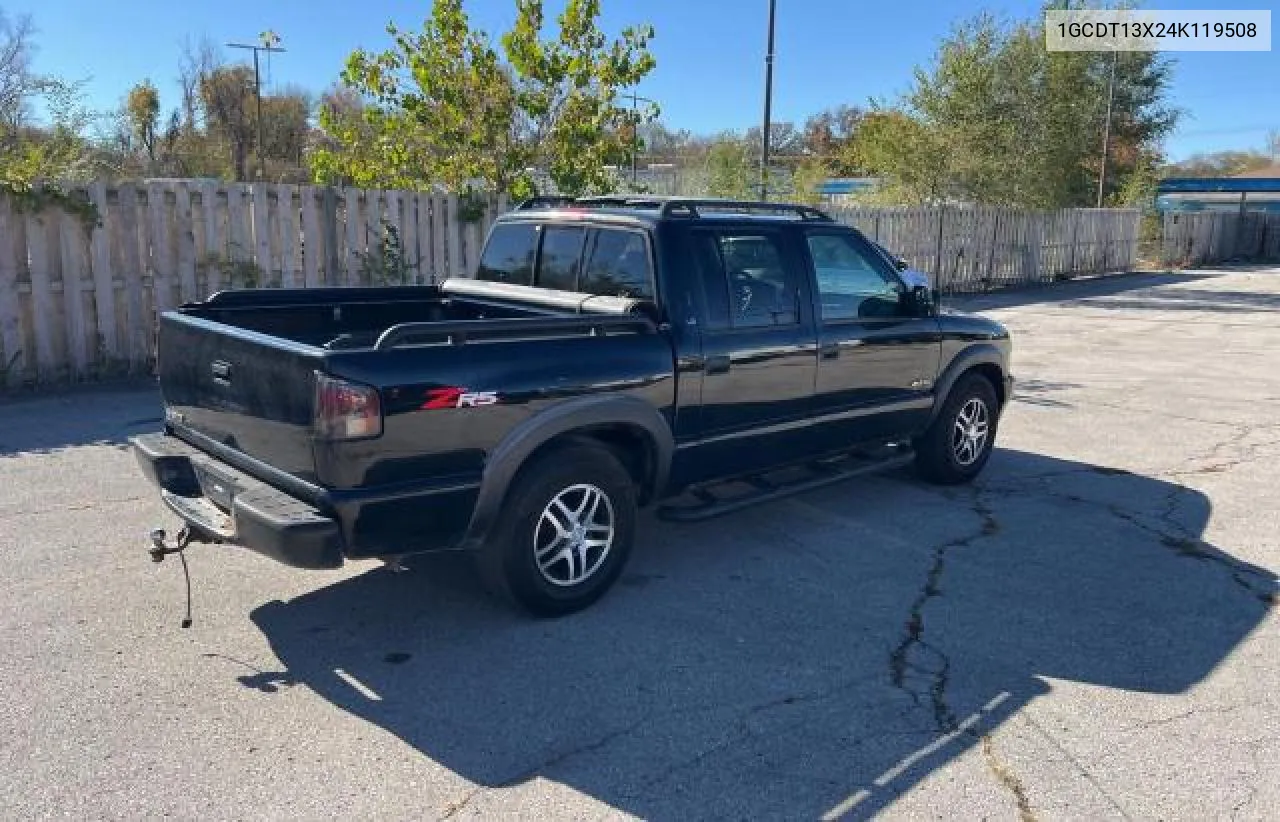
[{"x": 676, "y": 206}]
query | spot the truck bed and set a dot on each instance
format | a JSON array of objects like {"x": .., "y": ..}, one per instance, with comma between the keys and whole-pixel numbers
[{"x": 238, "y": 370}]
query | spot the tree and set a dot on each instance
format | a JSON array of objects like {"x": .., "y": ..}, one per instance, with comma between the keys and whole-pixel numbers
[
  {"x": 55, "y": 151},
  {"x": 906, "y": 151},
  {"x": 1018, "y": 125},
  {"x": 1219, "y": 164},
  {"x": 142, "y": 107},
  {"x": 226, "y": 96},
  {"x": 731, "y": 164},
  {"x": 827, "y": 132},
  {"x": 442, "y": 106}
]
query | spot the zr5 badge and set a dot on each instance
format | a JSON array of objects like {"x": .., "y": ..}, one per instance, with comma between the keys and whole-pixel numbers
[{"x": 453, "y": 397}]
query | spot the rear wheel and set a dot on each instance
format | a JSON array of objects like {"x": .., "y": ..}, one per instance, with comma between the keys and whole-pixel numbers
[
  {"x": 958, "y": 442},
  {"x": 565, "y": 533}
]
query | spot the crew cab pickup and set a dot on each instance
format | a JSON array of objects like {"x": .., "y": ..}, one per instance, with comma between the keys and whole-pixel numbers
[{"x": 608, "y": 354}]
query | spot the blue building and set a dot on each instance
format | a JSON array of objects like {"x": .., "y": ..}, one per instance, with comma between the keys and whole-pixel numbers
[{"x": 1257, "y": 191}]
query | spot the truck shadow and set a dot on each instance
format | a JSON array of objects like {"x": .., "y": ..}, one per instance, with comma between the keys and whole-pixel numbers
[{"x": 814, "y": 656}]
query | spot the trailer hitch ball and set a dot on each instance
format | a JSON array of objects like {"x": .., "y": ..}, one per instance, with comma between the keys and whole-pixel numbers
[{"x": 160, "y": 547}]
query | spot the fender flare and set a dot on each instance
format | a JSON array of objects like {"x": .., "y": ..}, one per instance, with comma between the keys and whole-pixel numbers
[
  {"x": 977, "y": 354},
  {"x": 511, "y": 454}
]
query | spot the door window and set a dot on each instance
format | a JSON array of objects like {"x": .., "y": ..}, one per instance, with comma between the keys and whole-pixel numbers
[
  {"x": 745, "y": 279},
  {"x": 853, "y": 282}
]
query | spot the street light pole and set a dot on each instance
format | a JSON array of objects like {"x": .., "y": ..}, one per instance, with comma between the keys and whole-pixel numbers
[
  {"x": 1106, "y": 128},
  {"x": 257, "y": 93},
  {"x": 768, "y": 100},
  {"x": 635, "y": 133}
]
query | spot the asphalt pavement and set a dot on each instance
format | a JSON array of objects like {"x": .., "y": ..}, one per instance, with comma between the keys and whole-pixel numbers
[{"x": 1088, "y": 632}]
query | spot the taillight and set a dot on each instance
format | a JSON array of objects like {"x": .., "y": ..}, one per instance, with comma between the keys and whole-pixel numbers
[{"x": 346, "y": 410}]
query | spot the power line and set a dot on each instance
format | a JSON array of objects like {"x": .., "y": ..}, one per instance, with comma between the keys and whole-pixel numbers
[{"x": 269, "y": 40}]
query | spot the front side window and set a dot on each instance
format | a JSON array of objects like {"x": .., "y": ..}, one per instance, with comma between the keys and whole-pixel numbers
[
  {"x": 852, "y": 282},
  {"x": 508, "y": 255}
]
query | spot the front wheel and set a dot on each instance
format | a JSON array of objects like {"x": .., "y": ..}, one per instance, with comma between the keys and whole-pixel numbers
[
  {"x": 958, "y": 442},
  {"x": 565, "y": 533}
]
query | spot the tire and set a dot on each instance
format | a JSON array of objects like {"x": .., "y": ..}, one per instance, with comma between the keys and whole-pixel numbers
[
  {"x": 538, "y": 547},
  {"x": 948, "y": 452}
]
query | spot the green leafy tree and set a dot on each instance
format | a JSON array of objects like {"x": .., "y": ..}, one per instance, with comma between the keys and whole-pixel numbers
[
  {"x": 731, "y": 168},
  {"x": 906, "y": 151},
  {"x": 442, "y": 106},
  {"x": 1018, "y": 125}
]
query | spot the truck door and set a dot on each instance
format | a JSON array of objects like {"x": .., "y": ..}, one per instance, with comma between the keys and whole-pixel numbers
[
  {"x": 759, "y": 351},
  {"x": 877, "y": 357}
]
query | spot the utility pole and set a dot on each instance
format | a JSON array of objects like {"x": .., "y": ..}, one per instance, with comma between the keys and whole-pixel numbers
[
  {"x": 768, "y": 100},
  {"x": 635, "y": 132},
  {"x": 1106, "y": 128},
  {"x": 269, "y": 40}
]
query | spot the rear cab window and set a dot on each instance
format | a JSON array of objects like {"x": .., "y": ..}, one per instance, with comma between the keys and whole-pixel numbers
[
  {"x": 604, "y": 261},
  {"x": 509, "y": 254}
]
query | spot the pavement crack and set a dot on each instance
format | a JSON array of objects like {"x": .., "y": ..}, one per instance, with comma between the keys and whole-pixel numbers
[
  {"x": 905, "y": 658},
  {"x": 1005, "y": 775},
  {"x": 1178, "y": 717}
]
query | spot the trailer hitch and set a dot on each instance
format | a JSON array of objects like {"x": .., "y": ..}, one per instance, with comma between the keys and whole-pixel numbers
[{"x": 161, "y": 548}]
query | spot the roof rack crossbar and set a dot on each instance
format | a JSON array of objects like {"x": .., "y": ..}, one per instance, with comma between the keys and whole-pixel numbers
[
  {"x": 675, "y": 206},
  {"x": 544, "y": 201},
  {"x": 689, "y": 207}
]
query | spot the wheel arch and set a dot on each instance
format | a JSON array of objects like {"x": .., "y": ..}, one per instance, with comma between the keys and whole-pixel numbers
[
  {"x": 632, "y": 429},
  {"x": 983, "y": 359}
]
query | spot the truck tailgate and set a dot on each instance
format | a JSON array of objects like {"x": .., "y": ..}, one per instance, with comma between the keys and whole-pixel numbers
[{"x": 249, "y": 391}]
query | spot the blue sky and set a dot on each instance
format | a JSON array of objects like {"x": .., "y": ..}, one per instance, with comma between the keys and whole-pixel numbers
[{"x": 710, "y": 52}]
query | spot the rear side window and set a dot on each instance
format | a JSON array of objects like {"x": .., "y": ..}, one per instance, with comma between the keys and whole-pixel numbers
[
  {"x": 561, "y": 255},
  {"x": 618, "y": 266},
  {"x": 745, "y": 276},
  {"x": 508, "y": 255}
]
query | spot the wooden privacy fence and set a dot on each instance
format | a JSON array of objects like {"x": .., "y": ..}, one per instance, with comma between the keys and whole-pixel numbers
[
  {"x": 979, "y": 248},
  {"x": 79, "y": 301},
  {"x": 1207, "y": 237}
]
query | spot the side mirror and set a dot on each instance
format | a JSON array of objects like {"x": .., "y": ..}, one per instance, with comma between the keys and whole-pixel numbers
[
  {"x": 900, "y": 264},
  {"x": 924, "y": 300}
]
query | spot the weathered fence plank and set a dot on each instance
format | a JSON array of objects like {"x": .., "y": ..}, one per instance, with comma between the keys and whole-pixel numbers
[
  {"x": 72, "y": 237},
  {"x": 289, "y": 233},
  {"x": 185, "y": 237},
  {"x": 355, "y": 235},
  {"x": 161, "y": 265},
  {"x": 312, "y": 238},
  {"x": 104, "y": 287},
  {"x": 42, "y": 309},
  {"x": 125, "y": 239},
  {"x": 12, "y": 245}
]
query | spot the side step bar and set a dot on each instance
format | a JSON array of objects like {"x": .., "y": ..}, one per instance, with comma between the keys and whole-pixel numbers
[{"x": 822, "y": 474}]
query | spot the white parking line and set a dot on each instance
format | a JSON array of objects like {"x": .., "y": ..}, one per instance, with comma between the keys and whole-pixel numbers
[
  {"x": 897, "y": 770},
  {"x": 363, "y": 689}
]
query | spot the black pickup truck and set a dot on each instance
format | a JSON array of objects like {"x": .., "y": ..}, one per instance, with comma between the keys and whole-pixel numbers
[{"x": 609, "y": 353}]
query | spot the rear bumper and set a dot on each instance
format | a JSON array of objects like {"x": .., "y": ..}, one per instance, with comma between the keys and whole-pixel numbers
[{"x": 225, "y": 504}]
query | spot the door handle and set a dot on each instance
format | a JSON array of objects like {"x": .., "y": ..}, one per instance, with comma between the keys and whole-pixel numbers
[
  {"x": 221, "y": 372},
  {"x": 717, "y": 365},
  {"x": 830, "y": 351}
]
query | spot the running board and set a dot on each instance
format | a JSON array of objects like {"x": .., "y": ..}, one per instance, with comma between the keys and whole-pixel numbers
[{"x": 822, "y": 474}]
